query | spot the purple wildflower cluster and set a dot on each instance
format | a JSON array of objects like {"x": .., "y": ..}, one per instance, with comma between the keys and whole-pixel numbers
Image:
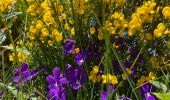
[
  {"x": 56, "y": 85},
  {"x": 23, "y": 74},
  {"x": 69, "y": 47},
  {"x": 58, "y": 82},
  {"x": 76, "y": 77}
]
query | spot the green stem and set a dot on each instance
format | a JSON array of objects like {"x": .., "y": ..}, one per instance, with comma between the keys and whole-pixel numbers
[{"x": 132, "y": 84}]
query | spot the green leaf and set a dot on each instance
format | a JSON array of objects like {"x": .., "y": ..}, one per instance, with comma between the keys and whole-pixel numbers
[
  {"x": 10, "y": 15},
  {"x": 2, "y": 36},
  {"x": 17, "y": 93},
  {"x": 13, "y": 90},
  {"x": 18, "y": 49},
  {"x": 160, "y": 86},
  {"x": 162, "y": 96}
]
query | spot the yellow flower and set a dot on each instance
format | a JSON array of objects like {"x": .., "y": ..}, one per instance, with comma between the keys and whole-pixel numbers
[
  {"x": 161, "y": 27},
  {"x": 115, "y": 46},
  {"x": 32, "y": 37},
  {"x": 55, "y": 32},
  {"x": 64, "y": 16},
  {"x": 158, "y": 33},
  {"x": 50, "y": 43},
  {"x": 101, "y": 36},
  {"x": 116, "y": 23},
  {"x": 71, "y": 21},
  {"x": 45, "y": 32},
  {"x": 19, "y": 42},
  {"x": 48, "y": 18},
  {"x": 124, "y": 75},
  {"x": 108, "y": 78},
  {"x": 80, "y": 10},
  {"x": 142, "y": 80},
  {"x": 167, "y": 31},
  {"x": 60, "y": 9},
  {"x": 117, "y": 15},
  {"x": 112, "y": 30},
  {"x": 154, "y": 61},
  {"x": 92, "y": 30},
  {"x": 73, "y": 31},
  {"x": 31, "y": 8},
  {"x": 29, "y": 1},
  {"x": 66, "y": 26},
  {"x": 113, "y": 80},
  {"x": 11, "y": 57},
  {"x": 21, "y": 56},
  {"x": 92, "y": 77},
  {"x": 95, "y": 69},
  {"x": 76, "y": 50},
  {"x": 104, "y": 81},
  {"x": 120, "y": 1},
  {"x": 59, "y": 37},
  {"x": 148, "y": 36},
  {"x": 39, "y": 24},
  {"x": 42, "y": 41},
  {"x": 33, "y": 30},
  {"x": 151, "y": 75},
  {"x": 166, "y": 12}
]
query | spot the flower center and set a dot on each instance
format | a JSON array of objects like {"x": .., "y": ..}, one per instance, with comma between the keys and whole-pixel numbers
[{"x": 56, "y": 85}]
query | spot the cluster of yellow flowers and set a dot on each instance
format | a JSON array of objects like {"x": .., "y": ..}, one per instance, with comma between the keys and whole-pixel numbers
[
  {"x": 45, "y": 29},
  {"x": 144, "y": 79},
  {"x": 115, "y": 24},
  {"x": 143, "y": 14},
  {"x": 20, "y": 55},
  {"x": 45, "y": 26},
  {"x": 154, "y": 62},
  {"x": 161, "y": 30},
  {"x": 108, "y": 78},
  {"x": 93, "y": 75},
  {"x": 100, "y": 34},
  {"x": 166, "y": 12},
  {"x": 5, "y": 5},
  {"x": 118, "y": 22},
  {"x": 159, "y": 63}
]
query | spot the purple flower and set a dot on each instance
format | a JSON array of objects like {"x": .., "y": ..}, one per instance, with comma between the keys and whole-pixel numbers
[
  {"x": 25, "y": 73},
  {"x": 82, "y": 56},
  {"x": 87, "y": 54},
  {"x": 57, "y": 93},
  {"x": 133, "y": 52},
  {"x": 1, "y": 94},
  {"x": 125, "y": 98},
  {"x": 56, "y": 80},
  {"x": 76, "y": 77},
  {"x": 150, "y": 97},
  {"x": 69, "y": 47},
  {"x": 145, "y": 89},
  {"x": 56, "y": 83},
  {"x": 79, "y": 59},
  {"x": 104, "y": 94}
]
